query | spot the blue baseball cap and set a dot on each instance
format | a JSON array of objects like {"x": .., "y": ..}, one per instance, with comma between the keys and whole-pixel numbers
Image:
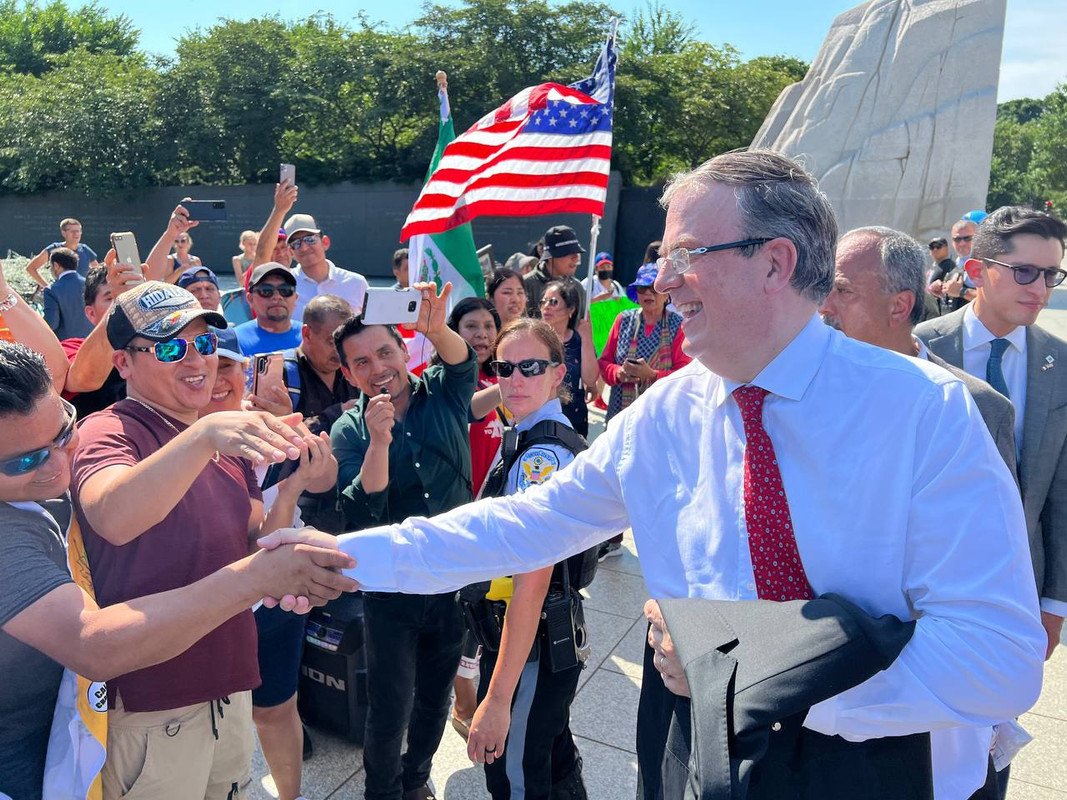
[
  {"x": 601, "y": 258},
  {"x": 196, "y": 275},
  {"x": 229, "y": 346},
  {"x": 646, "y": 276}
]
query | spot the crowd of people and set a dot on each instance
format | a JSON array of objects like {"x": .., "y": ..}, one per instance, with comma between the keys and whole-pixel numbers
[{"x": 171, "y": 503}]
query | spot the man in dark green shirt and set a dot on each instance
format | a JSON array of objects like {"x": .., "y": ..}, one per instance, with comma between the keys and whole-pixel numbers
[{"x": 404, "y": 451}]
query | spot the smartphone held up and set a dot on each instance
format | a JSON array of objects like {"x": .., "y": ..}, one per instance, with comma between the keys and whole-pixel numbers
[{"x": 391, "y": 306}]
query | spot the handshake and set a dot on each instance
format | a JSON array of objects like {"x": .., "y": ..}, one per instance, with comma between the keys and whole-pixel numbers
[{"x": 297, "y": 569}]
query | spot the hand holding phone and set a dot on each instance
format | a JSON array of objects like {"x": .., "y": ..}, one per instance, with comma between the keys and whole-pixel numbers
[
  {"x": 205, "y": 210},
  {"x": 391, "y": 306},
  {"x": 268, "y": 375},
  {"x": 125, "y": 244}
]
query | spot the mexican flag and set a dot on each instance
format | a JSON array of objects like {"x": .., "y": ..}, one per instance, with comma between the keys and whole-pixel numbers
[{"x": 448, "y": 256}]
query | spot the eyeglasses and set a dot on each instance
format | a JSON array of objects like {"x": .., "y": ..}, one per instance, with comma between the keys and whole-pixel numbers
[
  {"x": 304, "y": 241},
  {"x": 267, "y": 290},
  {"x": 183, "y": 241},
  {"x": 28, "y": 462},
  {"x": 530, "y": 368},
  {"x": 549, "y": 301},
  {"x": 645, "y": 289},
  {"x": 677, "y": 261},
  {"x": 938, "y": 246},
  {"x": 174, "y": 350},
  {"x": 1025, "y": 274},
  {"x": 958, "y": 239}
]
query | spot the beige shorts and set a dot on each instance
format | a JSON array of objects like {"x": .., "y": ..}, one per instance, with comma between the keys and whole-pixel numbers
[{"x": 175, "y": 754}]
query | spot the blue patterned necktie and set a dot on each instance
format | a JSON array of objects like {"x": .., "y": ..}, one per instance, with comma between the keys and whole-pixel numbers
[{"x": 994, "y": 372}]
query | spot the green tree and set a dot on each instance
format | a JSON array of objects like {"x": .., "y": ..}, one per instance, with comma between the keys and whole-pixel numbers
[
  {"x": 87, "y": 124},
  {"x": 32, "y": 35},
  {"x": 1049, "y": 165}
]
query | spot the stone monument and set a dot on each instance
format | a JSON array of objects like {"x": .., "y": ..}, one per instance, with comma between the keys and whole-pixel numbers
[{"x": 895, "y": 116}]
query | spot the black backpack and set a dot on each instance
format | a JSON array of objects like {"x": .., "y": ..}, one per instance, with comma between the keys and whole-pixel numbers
[{"x": 581, "y": 567}]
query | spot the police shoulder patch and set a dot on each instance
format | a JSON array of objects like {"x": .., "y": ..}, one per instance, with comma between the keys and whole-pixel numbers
[{"x": 536, "y": 465}]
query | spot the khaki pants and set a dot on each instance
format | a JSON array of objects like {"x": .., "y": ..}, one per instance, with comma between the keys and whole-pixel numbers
[{"x": 176, "y": 754}]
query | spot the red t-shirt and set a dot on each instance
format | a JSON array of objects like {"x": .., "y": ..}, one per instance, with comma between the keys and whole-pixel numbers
[
  {"x": 486, "y": 435},
  {"x": 205, "y": 531}
]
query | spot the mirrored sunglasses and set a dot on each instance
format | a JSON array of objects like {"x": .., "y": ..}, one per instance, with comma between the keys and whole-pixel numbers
[
  {"x": 28, "y": 462},
  {"x": 174, "y": 350},
  {"x": 304, "y": 241},
  {"x": 530, "y": 368}
]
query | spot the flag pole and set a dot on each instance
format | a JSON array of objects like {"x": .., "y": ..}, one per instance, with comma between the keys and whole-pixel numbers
[{"x": 594, "y": 234}]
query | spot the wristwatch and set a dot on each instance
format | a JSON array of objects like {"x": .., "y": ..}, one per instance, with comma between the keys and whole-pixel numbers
[{"x": 9, "y": 302}]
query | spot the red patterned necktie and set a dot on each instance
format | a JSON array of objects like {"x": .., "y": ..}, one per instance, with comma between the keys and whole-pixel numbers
[{"x": 775, "y": 559}]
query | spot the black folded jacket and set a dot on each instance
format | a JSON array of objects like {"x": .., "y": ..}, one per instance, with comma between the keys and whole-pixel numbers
[{"x": 754, "y": 669}]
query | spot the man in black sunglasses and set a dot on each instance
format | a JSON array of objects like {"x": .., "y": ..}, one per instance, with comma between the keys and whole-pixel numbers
[
  {"x": 49, "y": 621},
  {"x": 1015, "y": 263},
  {"x": 272, "y": 295}
]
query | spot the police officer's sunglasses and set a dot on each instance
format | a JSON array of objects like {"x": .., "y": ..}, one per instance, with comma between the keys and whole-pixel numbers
[
  {"x": 27, "y": 462},
  {"x": 530, "y": 368}
]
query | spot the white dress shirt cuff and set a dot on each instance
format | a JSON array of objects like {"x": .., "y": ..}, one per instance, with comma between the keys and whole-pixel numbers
[
  {"x": 373, "y": 550},
  {"x": 1057, "y": 607}
]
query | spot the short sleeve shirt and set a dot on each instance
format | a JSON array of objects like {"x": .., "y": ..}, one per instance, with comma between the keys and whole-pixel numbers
[
  {"x": 32, "y": 564},
  {"x": 255, "y": 340},
  {"x": 205, "y": 531},
  {"x": 86, "y": 256}
]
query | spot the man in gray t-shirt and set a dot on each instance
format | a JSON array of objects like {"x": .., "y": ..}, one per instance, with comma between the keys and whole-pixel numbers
[{"x": 47, "y": 622}]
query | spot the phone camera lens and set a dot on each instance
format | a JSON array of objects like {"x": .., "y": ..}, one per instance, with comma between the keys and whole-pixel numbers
[{"x": 411, "y": 307}]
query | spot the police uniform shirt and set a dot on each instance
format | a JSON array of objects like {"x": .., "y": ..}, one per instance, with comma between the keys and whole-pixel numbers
[{"x": 542, "y": 461}]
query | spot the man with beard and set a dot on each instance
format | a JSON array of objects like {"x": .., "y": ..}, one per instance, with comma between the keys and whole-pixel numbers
[{"x": 272, "y": 295}]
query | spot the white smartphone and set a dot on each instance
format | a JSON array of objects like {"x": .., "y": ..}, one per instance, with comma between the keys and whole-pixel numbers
[
  {"x": 126, "y": 249},
  {"x": 391, "y": 306},
  {"x": 287, "y": 173}
]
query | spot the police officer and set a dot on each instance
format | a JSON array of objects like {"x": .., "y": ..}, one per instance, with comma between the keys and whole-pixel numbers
[{"x": 528, "y": 680}]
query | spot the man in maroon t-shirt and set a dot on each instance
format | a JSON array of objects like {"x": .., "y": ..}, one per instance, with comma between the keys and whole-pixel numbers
[{"x": 164, "y": 499}]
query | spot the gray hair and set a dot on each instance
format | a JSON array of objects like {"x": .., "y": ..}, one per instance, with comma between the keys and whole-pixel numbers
[
  {"x": 903, "y": 264},
  {"x": 324, "y": 306},
  {"x": 776, "y": 197}
]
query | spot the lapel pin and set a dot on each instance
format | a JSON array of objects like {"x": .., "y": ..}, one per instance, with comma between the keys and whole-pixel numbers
[{"x": 1050, "y": 362}]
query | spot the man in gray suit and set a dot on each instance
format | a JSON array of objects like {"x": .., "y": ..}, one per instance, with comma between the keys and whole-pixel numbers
[
  {"x": 1015, "y": 263},
  {"x": 878, "y": 274},
  {"x": 64, "y": 300}
]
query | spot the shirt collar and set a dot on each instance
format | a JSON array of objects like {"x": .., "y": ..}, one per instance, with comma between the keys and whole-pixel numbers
[
  {"x": 790, "y": 372},
  {"x": 331, "y": 272},
  {"x": 553, "y": 409},
  {"x": 924, "y": 354},
  {"x": 29, "y": 505},
  {"x": 65, "y": 273},
  {"x": 976, "y": 334}
]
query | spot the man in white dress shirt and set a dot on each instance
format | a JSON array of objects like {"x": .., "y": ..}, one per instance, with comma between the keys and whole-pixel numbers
[
  {"x": 896, "y": 495},
  {"x": 316, "y": 274}
]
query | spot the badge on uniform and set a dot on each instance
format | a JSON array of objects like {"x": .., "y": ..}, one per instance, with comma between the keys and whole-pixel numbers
[{"x": 535, "y": 466}]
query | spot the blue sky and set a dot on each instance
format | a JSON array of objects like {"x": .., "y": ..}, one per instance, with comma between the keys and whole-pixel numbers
[{"x": 1034, "y": 59}]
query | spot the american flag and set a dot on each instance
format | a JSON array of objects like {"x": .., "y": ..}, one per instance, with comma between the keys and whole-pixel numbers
[{"x": 547, "y": 150}]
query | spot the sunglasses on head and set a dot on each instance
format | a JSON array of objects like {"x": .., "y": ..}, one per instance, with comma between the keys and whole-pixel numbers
[
  {"x": 174, "y": 350},
  {"x": 267, "y": 290},
  {"x": 1025, "y": 274},
  {"x": 28, "y": 462},
  {"x": 304, "y": 241},
  {"x": 530, "y": 367}
]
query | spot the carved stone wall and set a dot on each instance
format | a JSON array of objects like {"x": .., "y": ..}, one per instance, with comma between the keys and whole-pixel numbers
[{"x": 896, "y": 114}]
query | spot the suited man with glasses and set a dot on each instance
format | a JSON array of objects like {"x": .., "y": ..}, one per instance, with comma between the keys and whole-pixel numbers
[
  {"x": 272, "y": 294},
  {"x": 1015, "y": 263}
]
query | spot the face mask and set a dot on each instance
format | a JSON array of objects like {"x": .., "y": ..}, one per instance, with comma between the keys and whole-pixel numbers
[{"x": 604, "y": 274}]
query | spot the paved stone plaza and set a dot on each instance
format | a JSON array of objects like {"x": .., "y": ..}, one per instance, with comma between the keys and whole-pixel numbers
[{"x": 605, "y": 710}]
